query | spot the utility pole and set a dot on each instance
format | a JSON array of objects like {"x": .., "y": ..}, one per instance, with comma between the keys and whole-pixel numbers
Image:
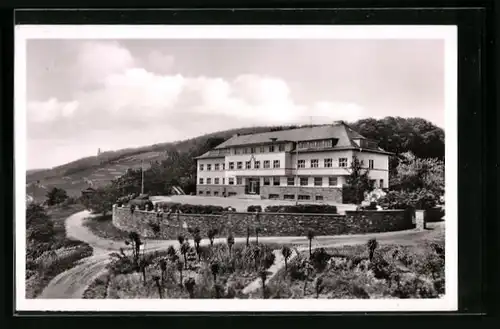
[{"x": 142, "y": 176}]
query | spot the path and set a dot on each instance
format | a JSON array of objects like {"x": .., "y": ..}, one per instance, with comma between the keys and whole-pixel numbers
[{"x": 73, "y": 282}]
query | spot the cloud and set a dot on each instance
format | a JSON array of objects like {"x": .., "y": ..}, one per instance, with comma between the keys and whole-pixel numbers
[{"x": 50, "y": 110}]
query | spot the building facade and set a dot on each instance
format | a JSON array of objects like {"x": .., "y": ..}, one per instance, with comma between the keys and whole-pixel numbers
[{"x": 304, "y": 164}]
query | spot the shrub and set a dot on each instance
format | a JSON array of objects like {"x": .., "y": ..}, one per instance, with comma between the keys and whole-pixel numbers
[
  {"x": 434, "y": 214},
  {"x": 320, "y": 259},
  {"x": 417, "y": 199},
  {"x": 372, "y": 206},
  {"x": 189, "y": 208},
  {"x": 303, "y": 208},
  {"x": 253, "y": 208}
]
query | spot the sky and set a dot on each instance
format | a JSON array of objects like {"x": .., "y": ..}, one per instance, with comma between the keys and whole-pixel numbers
[{"x": 111, "y": 94}]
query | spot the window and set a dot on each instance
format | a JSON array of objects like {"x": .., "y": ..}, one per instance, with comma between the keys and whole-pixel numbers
[
  {"x": 216, "y": 193},
  {"x": 289, "y": 197},
  {"x": 248, "y": 165},
  {"x": 246, "y": 150},
  {"x": 200, "y": 192},
  {"x": 282, "y": 147},
  {"x": 276, "y": 163},
  {"x": 208, "y": 193},
  {"x": 267, "y": 164},
  {"x": 239, "y": 165},
  {"x": 370, "y": 164},
  {"x": 231, "y": 181},
  {"x": 304, "y": 181},
  {"x": 209, "y": 180},
  {"x": 262, "y": 149},
  {"x": 274, "y": 196},
  {"x": 271, "y": 148},
  {"x": 239, "y": 181},
  {"x": 231, "y": 165},
  {"x": 223, "y": 166},
  {"x": 301, "y": 163},
  {"x": 318, "y": 181},
  {"x": 328, "y": 163},
  {"x": 304, "y": 197},
  {"x": 252, "y": 150},
  {"x": 237, "y": 151},
  {"x": 276, "y": 181},
  {"x": 216, "y": 180},
  {"x": 256, "y": 164},
  {"x": 381, "y": 184},
  {"x": 209, "y": 167},
  {"x": 372, "y": 182},
  {"x": 290, "y": 181},
  {"x": 332, "y": 181},
  {"x": 267, "y": 181},
  {"x": 201, "y": 167},
  {"x": 223, "y": 181},
  {"x": 216, "y": 166},
  {"x": 319, "y": 198},
  {"x": 343, "y": 162},
  {"x": 314, "y": 163}
]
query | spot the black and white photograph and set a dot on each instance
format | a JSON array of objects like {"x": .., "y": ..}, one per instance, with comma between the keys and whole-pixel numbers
[{"x": 236, "y": 168}]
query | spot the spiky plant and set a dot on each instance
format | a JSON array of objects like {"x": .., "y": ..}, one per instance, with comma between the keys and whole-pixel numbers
[
  {"x": 163, "y": 268},
  {"x": 197, "y": 241},
  {"x": 211, "y": 235},
  {"x": 287, "y": 253},
  {"x": 181, "y": 239},
  {"x": 319, "y": 286},
  {"x": 180, "y": 266},
  {"x": 310, "y": 237},
  {"x": 230, "y": 242},
  {"x": 156, "y": 279},
  {"x": 184, "y": 250},
  {"x": 189, "y": 284},
  {"x": 172, "y": 254},
  {"x": 214, "y": 268},
  {"x": 372, "y": 245}
]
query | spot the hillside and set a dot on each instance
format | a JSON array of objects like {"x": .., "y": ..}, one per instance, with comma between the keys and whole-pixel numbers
[{"x": 395, "y": 135}]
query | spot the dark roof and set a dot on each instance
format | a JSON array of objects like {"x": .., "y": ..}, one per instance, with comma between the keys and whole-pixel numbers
[{"x": 339, "y": 130}]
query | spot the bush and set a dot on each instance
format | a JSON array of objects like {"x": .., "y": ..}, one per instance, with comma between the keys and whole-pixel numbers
[
  {"x": 418, "y": 199},
  {"x": 434, "y": 214},
  {"x": 253, "y": 208},
  {"x": 372, "y": 206},
  {"x": 190, "y": 208},
  {"x": 141, "y": 204},
  {"x": 304, "y": 209},
  {"x": 351, "y": 195}
]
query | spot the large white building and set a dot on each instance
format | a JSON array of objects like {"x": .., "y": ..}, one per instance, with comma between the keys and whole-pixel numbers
[{"x": 309, "y": 163}]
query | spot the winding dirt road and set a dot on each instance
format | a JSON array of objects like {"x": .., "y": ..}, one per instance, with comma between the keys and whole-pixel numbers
[{"x": 73, "y": 282}]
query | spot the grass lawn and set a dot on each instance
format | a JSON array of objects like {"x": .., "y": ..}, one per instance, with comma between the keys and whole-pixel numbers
[{"x": 102, "y": 226}]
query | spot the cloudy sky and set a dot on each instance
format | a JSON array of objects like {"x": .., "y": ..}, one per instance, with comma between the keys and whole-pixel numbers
[{"x": 111, "y": 94}]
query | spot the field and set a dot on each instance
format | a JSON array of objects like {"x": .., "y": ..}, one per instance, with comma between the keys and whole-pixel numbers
[
  {"x": 99, "y": 175},
  {"x": 239, "y": 204},
  {"x": 413, "y": 270}
]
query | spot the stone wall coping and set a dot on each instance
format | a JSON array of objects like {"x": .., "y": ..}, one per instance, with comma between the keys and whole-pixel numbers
[{"x": 375, "y": 211}]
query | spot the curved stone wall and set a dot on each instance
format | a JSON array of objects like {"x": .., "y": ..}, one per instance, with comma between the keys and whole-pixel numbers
[{"x": 149, "y": 225}]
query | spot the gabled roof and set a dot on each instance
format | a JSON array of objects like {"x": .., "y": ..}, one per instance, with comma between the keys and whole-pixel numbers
[{"x": 339, "y": 130}]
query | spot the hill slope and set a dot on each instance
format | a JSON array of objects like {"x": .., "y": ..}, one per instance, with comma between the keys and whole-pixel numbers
[{"x": 395, "y": 135}]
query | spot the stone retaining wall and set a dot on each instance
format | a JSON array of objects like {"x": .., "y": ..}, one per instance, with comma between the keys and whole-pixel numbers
[{"x": 149, "y": 225}]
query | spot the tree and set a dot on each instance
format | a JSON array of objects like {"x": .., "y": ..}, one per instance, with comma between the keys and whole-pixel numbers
[
  {"x": 134, "y": 239},
  {"x": 257, "y": 230},
  {"x": 263, "y": 277},
  {"x": 163, "y": 268},
  {"x": 319, "y": 286},
  {"x": 214, "y": 268},
  {"x": 414, "y": 173},
  {"x": 181, "y": 239},
  {"x": 310, "y": 237},
  {"x": 287, "y": 253},
  {"x": 180, "y": 267},
  {"x": 358, "y": 180},
  {"x": 56, "y": 196},
  {"x": 39, "y": 227},
  {"x": 197, "y": 240},
  {"x": 156, "y": 279},
  {"x": 102, "y": 200}
]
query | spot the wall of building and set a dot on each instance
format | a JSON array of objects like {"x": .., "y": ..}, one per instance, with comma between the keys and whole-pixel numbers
[
  {"x": 210, "y": 173},
  {"x": 270, "y": 224},
  {"x": 333, "y": 194},
  {"x": 237, "y": 189}
]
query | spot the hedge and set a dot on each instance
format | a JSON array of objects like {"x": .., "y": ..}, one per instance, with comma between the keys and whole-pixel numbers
[
  {"x": 253, "y": 208},
  {"x": 304, "y": 208},
  {"x": 191, "y": 208},
  {"x": 434, "y": 214}
]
